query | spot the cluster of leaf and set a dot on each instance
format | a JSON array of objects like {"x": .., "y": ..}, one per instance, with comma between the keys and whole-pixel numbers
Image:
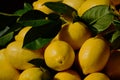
[{"x": 45, "y": 26}]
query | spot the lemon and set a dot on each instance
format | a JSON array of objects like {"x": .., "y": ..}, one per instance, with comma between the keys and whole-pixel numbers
[
  {"x": 75, "y": 34},
  {"x": 7, "y": 72},
  {"x": 19, "y": 56},
  {"x": 113, "y": 65},
  {"x": 67, "y": 75},
  {"x": 74, "y": 3},
  {"x": 34, "y": 74},
  {"x": 89, "y": 4},
  {"x": 39, "y": 5},
  {"x": 61, "y": 54},
  {"x": 97, "y": 76},
  {"x": 93, "y": 55},
  {"x": 20, "y": 36}
]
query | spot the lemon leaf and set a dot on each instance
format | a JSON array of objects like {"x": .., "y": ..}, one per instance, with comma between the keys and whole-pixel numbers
[
  {"x": 99, "y": 18},
  {"x": 117, "y": 24},
  {"x": 41, "y": 35},
  {"x": 60, "y": 8},
  {"x": 36, "y": 18},
  {"x": 34, "y": 23},
  {"x": 5, "y": 39},
  {"x": 6, "y": 27},
  {"x": 115, "y": 40},
  {"x": 37, "y": 44},
  {"x": 12, "y": 28},
  {"x": 26, "y": 8},
  {"x": 4, "y": 31},
  {"x": 53, "y": 16},
  {"x": 7, "y": 20},
  {"x": 32, "y": 15},
  {"x": 38, "y": 62}
]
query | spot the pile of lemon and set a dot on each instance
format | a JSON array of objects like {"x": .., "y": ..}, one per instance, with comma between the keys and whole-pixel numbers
[{"x": 73, "y": 53}]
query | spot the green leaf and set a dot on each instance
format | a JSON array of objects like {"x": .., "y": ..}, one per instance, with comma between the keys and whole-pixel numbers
[
  {"x": 38, "y": 43},
  {"x": 40, "y": 35},
  {"x": 5, "y": 39},
  {"x": 12, "y": 28},
  {"x": 26, "y": 8},
  {"x": 60, "y": 8},
  {"x": 7, "y": 19},
  {"x": 15, "y": 27},
  {"x": 32, "y": 15},
  {"x": 38, "y": 18},
  {"x": 99, "y": 17},
  {"x": 4, "y": 31},
  {"x": 117, "y": 24},
  {"x": 115, "y": 40},
  {"x": 38, "y": 62},
  {"x": 34, "y": 23},
  {"x": 53, "y": 16},
  {"x": 115, "y": 35}
]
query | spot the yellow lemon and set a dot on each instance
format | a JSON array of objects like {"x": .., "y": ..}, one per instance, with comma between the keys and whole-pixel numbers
[
  {"x": 20, "y": 36},
  {"x": 74, "y": 3},
  {"x": 59, "y": 55},
  {"x": 34, "y": 74},
  {"x": 97, "y": 76},
  {"x": 113, "y": 65},
  {"x": 89, "y": 4},
  {"x": 39, "y": 5},
  {"x": 67, "y": 75},
  {"x": 93, "y": 55},
  {"x": 75, "y": 34},
  {"x": 7, "y": 72},
  {"x": 19, "y": 56}
]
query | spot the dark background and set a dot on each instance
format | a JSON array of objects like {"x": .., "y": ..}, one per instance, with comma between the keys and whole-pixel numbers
[{"x": 10, "y": 6}]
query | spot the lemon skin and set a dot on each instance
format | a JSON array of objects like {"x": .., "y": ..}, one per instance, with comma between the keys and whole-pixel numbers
[
  {"x": 19, "y": 57},
  {"x": 67, "y": 75},
  {"x": 7, "y": 72},
  {"x": 75, "y": 34},
  {"x": 97, "y": 76},
  {"x": 93, "y": 55},
  {"x": 61, "y": 54}
]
